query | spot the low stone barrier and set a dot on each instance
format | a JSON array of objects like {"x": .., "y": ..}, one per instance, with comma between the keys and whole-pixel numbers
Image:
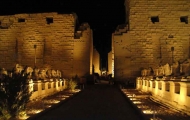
[
  {"x": 173, "y": 92},
  {"x": 45, "y": 88}
]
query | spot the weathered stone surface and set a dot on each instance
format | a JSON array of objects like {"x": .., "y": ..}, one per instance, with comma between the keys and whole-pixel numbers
[
  {"x": 157, "y": 33},
  {"x": 46, "y": 38}
]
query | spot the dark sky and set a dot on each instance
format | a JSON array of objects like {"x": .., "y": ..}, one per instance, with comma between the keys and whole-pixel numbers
[{"x": 102, "y": 15}]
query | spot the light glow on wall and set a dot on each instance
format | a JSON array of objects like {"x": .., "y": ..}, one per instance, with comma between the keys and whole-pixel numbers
[
  {"x": 96, "y": 61},
  {"x": 38, "y": 40},
  {"x": 148, "y": 111}
]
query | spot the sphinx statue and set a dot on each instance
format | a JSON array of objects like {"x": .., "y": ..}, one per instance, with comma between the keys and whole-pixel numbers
[
  {"x": 155, "y": 71},
  {"x": 175, "y": 69},
  {"x": 42, "y": 74},
  {"x": 2, "y": 73},
  {"x": 150, "y": 71},
  {"x": 185, "y": 67},
  {"x": 160, "y": 71},
  {"x": 35, "y": 74},
  {"x": 147, "y": 71},
  {"x": 29, "y": 70},
  {"x": 144, "y": 72},
  {"x": 18, "y": 68},
  {"x": 49, "y": 73},
  {"x": 54, "y": 74},
  {"x": 167, "y": 69},
  {"x": 59, "y": 74}
]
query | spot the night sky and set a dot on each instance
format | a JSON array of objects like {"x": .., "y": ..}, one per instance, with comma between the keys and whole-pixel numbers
[{"x": 103, "y": 16}]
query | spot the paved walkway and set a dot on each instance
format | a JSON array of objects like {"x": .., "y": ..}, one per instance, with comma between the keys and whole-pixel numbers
[{"x": 95, "y": 102}]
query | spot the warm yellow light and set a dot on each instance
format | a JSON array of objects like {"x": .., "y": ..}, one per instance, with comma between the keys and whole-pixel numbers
[
  {"x": 51, "y": 101},
  {"x": 66, "y": 96},
  {"x": 142, "y": 106},
  {"x": 129, "y": 96},
  {"x": 56, "y": 101},
  {"x": 139, "y": 106},
  {"x": 24, "y": 117},
  {"x": 147, "y": 111},
  {"x": 133, "y": 99},
  {"x": 37, "y": 111},
  {"x": 77, "y": 90},
  {"x": 62, "y": 98},
  {"x": 155, "y": 118},
  {"x": 137, "y": 102}
]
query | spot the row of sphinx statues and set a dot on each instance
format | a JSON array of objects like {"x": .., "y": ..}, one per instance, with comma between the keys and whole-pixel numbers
[
  {"x": 33, "y": 73},
  {"x": 176, "y": 69}
]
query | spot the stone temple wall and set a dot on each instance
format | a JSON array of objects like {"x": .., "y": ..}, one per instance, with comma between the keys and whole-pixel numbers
[
  {"x": 156, "y": 32},
  {"x": 111, "y": 58},
  {"x": 96, "y": 61},
  {"x": 45, "y": 39},
  {"x": 83, "y": 53}
]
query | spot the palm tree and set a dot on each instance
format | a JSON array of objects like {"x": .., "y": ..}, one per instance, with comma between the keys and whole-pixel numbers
[{"x": 14, "y": 94}]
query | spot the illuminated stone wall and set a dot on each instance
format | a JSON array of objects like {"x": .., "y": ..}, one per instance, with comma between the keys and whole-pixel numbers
[
  {"x": 58, "y": 42},
  {"x": 96, "y": 61},
  {"x": 111, "y": 58},
  {"x": 91, "y": 52},
  {"x": 110, "y": 62},
  {"x": 153, "y": 29},
  {"x": 83, "y": 53}
]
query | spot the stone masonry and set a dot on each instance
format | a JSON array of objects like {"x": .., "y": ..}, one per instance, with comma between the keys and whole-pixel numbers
[
  {"x": 96, "y": 61},
  {"x": 156, "y": 32},
  {"x": 46, "y": 39}
]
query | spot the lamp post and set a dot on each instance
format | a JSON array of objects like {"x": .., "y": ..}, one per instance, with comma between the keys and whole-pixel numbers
[
  {"x": 35, "y": 46},
  {"x": 172, "y": 49}
]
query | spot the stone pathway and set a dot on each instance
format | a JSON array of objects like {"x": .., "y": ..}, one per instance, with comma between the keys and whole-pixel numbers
[
  {"x": 40, "y": 105},
  {"x": 142, "y": 101},
  {"x": 95, "y": 102}
]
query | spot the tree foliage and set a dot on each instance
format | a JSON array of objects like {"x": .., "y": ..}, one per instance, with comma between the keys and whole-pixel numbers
[{"x": 14, "y": 94}]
